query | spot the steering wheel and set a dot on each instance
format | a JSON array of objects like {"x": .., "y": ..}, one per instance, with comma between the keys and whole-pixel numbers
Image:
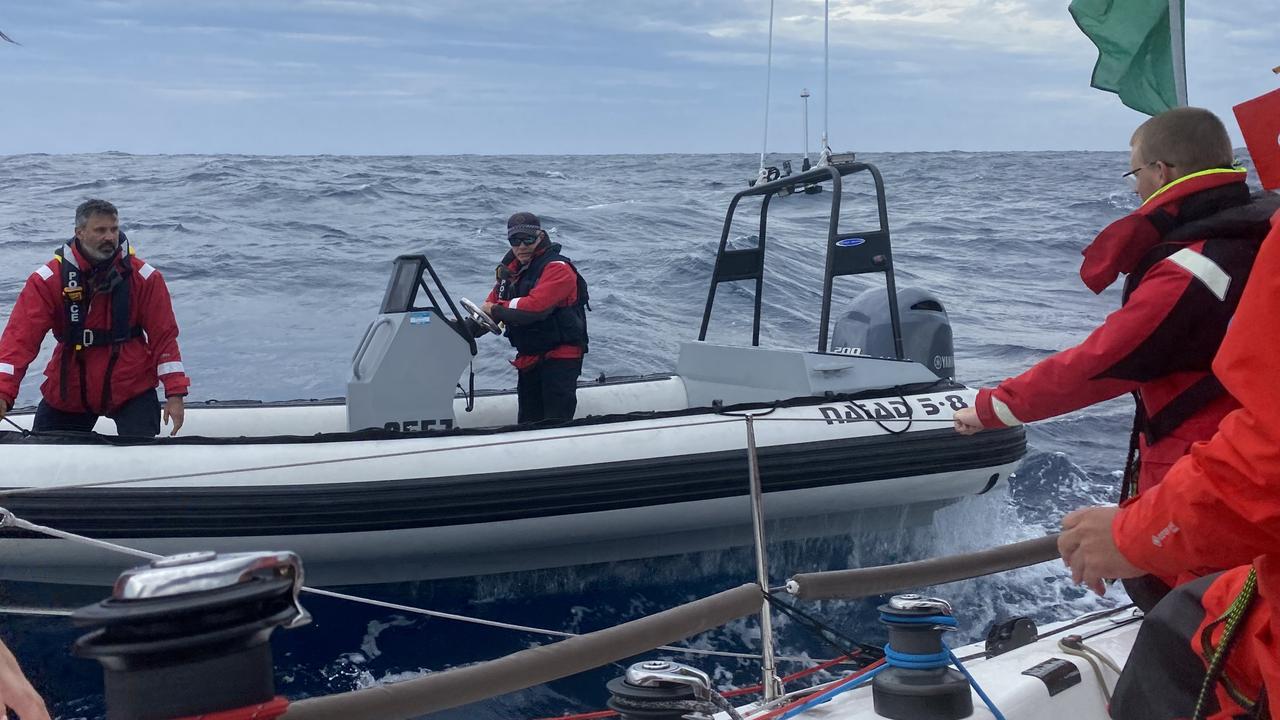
[{"x": 478, "y": 315}]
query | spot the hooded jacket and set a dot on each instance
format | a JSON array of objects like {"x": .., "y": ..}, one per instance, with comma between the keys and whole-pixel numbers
[
  {"x": 1219, "y": 507},
  {"x": 1187, "y": 252}
]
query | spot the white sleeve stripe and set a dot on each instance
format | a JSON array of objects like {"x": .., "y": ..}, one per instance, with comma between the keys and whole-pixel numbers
[
  {"x": 1204, "y": 270},
  {"x": 7, "y": 369},
  {"x": 1003, "y": 412},
  {"x": 514, "y": 303},
  {"x": 146, "y": 270},
  {"x": 169, "y": 367},
  {"x": 44, "y": 272}
]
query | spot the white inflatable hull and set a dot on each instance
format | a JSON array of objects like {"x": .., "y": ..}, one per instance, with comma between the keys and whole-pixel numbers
[{"x": 378, "y": 507}]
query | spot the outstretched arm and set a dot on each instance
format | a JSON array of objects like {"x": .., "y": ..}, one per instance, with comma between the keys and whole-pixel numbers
[
  {"x": 16, "y": 693},
  {"x": 1115, "y": 359}
]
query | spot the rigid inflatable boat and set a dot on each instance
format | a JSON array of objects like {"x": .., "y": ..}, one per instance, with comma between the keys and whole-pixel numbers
[{"x": 407, "y": 478}]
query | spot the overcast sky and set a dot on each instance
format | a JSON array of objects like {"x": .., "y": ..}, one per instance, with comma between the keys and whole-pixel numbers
[{"x": 581, "y": 76}]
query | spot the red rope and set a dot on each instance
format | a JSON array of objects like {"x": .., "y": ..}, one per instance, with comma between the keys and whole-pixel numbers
[
  {"x": 793, "y": 676},
  {"x": 269, "y": 710},
  {"x": 802, "y": 700},
  {"x": 736, "y": 693}
]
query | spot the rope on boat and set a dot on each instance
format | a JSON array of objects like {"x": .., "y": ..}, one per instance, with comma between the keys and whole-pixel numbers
[
  {"x": 545, "y": 663},
  {"x": 1074, "y": 645},
  {"x": 724, "y": 418},
  {"x": 527, "y": 668},
  {"x": 8, "y": 519}
]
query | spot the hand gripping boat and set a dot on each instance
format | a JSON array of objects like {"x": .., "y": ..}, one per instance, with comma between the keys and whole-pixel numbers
[{"x": 408, "y": 479}]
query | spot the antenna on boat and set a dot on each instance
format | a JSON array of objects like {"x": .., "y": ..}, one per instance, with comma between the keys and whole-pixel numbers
[
  {"x": 825, "y": 158},
  {"x": 804, "y": 96},
  {"x": 763, "y": 174}
]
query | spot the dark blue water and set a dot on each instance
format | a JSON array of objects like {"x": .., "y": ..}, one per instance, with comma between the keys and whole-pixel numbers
[{"x": 277, "y": 264}]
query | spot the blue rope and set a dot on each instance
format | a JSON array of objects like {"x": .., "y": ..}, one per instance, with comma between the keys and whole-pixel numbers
[
  {"x": 826, "y": 696},
  {"x": 911, "y": 661},
  {"x": 976, "y": 687},
  {"x": 908, "y": 661},
  {"x": 919, "y": 620}
]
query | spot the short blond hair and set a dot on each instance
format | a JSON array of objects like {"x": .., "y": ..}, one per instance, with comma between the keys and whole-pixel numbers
[{"x": 1188, "y": 139}]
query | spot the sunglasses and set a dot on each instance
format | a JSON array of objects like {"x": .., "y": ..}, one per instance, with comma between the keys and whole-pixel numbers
[{"x": 517, "y": 240}]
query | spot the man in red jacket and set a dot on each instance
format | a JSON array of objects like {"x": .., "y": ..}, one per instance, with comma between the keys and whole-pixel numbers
[
  {"x": 1186, "y": 252},
  {"x": 542, "y": 298},
  {"x": 1219, "y": 507},
  {"x": 117, "y": 336}
]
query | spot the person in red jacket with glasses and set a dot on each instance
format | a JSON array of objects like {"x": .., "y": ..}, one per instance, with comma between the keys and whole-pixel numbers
[
  {"x": 117, "y": 336},
  {"x": 1211, "y": 648},
  {"x": 542, "y": 299},
  {"x": 1186, "y": 253}
]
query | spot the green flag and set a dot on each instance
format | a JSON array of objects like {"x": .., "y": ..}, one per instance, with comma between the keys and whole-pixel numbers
[{"x": 1136, "y": 53}]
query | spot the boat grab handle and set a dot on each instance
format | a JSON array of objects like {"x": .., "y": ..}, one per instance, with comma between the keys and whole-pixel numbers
[{"x": 364, "y": 345}]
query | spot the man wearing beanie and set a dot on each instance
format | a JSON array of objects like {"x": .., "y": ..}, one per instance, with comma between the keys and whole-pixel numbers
[{"x": 542, "y": 299}]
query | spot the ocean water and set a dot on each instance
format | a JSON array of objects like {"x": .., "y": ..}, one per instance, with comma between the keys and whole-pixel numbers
[{"x": 277, "y": 264}]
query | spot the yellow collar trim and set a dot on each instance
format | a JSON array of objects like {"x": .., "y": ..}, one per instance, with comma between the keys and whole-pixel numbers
[{"x": 1202, "y": 173}]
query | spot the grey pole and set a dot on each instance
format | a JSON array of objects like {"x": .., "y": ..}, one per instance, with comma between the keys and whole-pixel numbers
[
  {"x": 772, "y": 685},
  {"x": 1177, "y": 44},
  {"x": 804, "y": 95}
]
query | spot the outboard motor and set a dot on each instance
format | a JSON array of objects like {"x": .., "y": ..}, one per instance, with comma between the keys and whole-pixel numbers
[
  {"x": 866, "y": 329},
  {"x": 188, "y": 635},
  {"x": 404, "y": 372}
]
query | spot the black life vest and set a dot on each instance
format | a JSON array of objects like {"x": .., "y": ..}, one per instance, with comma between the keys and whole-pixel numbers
[
  {"x": 78, "y": 288},
  {"x": 564, "y": 326},
  {"x": 1232, "y": 225}
]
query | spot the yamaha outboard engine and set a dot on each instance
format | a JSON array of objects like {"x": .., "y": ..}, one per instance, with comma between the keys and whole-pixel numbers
[{"x": 866, "y": 329}]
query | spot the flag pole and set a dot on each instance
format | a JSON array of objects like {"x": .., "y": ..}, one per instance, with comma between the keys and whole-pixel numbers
[{"x": 1177, "y": 44}]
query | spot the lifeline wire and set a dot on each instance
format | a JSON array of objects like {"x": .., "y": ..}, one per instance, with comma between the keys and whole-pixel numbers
[{"x": 8, "y": 519}]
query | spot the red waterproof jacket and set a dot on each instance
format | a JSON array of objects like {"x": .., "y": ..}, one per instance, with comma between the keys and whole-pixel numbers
[
  {"x": 557, "y": 287},
  {"x": 1160, "y": 343},
  {"x": 142, "y": 362},
  {"x": 1220, "y": 506}
]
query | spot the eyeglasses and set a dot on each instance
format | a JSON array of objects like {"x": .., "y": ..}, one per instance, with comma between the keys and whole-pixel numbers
[
  {"x": 517, "y": 240},
  {"x": 1132, "y": 175}
]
